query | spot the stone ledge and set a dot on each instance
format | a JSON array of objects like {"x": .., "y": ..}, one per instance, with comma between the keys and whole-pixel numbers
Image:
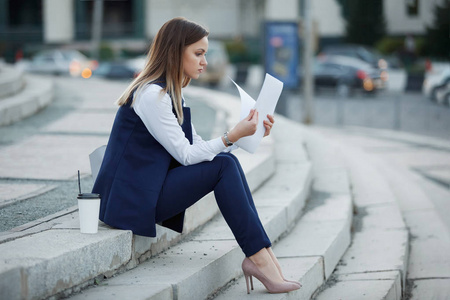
[
  {"x": 12, "y": 81},
  {"x": 378, "y": 285},
  {"x": 40, "y": 265},
  {"x": 37, "y": 94},
  {"x": 380, "y": 241}
]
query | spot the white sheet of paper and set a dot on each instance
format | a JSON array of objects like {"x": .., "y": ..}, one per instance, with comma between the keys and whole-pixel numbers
[{"x": 265, "y": 104}]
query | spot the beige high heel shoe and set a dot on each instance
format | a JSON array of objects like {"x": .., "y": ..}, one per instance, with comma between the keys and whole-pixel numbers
[
  {"x": 250, "y": 269},
  {"x": 282, "y": 276},
  {"x": 272, "y": 255}
]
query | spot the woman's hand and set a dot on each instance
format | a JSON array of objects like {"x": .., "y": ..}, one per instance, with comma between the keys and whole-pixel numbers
[
  {"x": 245, "y": 127},
  {"x": 268, "y": 124}
]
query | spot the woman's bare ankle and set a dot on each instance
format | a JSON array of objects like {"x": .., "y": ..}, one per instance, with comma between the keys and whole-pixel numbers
[
  {"x": 260, "y": 258},
  {"x": 274, "y": 259},
  {"x": 263, "y": 260}
]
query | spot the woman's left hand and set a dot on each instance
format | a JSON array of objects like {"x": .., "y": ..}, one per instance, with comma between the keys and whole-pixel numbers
[{"x": 268, "y": 124}]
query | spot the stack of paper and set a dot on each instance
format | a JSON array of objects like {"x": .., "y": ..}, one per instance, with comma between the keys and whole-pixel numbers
[{"x": 265, "y": 104}]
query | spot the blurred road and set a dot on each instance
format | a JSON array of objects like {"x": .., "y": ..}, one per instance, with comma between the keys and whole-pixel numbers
[{"x": 408, "y": 112}]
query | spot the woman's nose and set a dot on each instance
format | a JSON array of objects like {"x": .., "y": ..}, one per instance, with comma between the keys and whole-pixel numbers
[{"x": 204, "y": 62}]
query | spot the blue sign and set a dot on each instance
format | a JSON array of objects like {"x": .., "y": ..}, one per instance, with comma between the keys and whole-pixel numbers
[{"x": 282, "y": 51}]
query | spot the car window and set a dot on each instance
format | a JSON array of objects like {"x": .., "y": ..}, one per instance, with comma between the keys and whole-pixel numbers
[
  {"x": 330, "y": 68},
  {"x": 335, "y": 67},
  {"x": 366, "y": 55},
  {"x": 102, "y": 69},
  {"x": 45, "y": 58},
  {"x": 72, "y": 55}
]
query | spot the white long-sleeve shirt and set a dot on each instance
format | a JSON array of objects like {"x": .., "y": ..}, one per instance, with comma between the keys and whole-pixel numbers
[{"x": 155, "y": 111}]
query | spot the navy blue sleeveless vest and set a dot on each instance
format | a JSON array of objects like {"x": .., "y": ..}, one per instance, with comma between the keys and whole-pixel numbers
[{"x": 132, "y": 174}]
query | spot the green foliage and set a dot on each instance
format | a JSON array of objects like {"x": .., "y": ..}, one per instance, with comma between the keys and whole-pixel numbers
[
  {"x": 365, "y": 21},
  {"x": 421, "y": 45},
  {"x": 237, "y": 51},
  {"x": 390, "y": 45},
  {"x": 437, "y": 40},
  {"x": 243, "y": 51},
  {"x": 106, "y": 53},
  {"x": 395, "y": 45},
  {"x": 130, "y": 53}
]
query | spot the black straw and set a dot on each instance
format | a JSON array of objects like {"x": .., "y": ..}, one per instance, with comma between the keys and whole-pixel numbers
[{"x": 79, "y": 184}]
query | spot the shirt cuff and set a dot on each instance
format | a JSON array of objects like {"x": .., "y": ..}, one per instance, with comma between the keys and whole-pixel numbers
[{"x": 217, "y": 145}]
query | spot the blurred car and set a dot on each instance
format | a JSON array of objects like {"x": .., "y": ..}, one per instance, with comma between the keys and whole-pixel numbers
[
  {"x": 443, "y": 95},
  {"x": 115, "y": 70},
  {"x": 363, "y": 53},
  {"x": 60, "y": 62},
  {"x": 436, "y": 83},
  {"x": 217, "y": 58},
  {"x": 137, "y": 63},
  {"x": 346, "y": 75}
]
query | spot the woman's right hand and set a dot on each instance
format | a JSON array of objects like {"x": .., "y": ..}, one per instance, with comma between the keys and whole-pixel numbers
[{"x": 245, "y": 127}]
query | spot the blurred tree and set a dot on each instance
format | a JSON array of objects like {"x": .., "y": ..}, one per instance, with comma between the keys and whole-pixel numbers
[
  {"x": 365, "y": 21},
  {"x": 106, "y": 52},
  {"x": 438, "y": 35}
]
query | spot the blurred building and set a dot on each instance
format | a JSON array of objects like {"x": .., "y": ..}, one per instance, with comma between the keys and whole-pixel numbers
[{"x": 33, "y": 24}]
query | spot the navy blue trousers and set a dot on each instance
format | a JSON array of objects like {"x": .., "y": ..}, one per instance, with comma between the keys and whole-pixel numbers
[{"x": 185, "y": 185}]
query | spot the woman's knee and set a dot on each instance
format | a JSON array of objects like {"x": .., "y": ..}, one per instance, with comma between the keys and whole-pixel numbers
[
  {"x": 225, "y": 158},
  {"x": 226, "y": 161},
  {"x": 231, "y": 156},
  {"x": 228, "y": 154}
]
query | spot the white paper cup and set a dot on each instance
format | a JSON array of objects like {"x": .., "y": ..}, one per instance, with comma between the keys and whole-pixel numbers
[{"x": 89, "y": 211}]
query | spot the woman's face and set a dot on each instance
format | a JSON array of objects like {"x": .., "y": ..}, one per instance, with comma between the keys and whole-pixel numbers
[{"x": 194, "y": 58}]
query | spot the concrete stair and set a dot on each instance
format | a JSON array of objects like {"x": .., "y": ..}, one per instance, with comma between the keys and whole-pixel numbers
[
  {"x": 375, "y": 264},
  {"x": 22, "y": 95},
  {"x": 402, "y": 195},
  {"x": 12, "y": 81},
  {"x": 310, "y": 193},
  {"x": 428, "y": 273}
]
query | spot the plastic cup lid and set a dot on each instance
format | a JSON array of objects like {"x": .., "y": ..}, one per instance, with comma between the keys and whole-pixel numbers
[{"x": 88, "y": 196}]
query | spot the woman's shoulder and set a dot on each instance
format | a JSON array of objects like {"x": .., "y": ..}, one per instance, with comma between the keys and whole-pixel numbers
[
  {"x": 152, "y": 92},
  {"x": 152, "y": 88}
]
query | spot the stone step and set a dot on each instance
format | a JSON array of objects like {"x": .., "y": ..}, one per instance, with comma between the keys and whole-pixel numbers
[
  {"x": 210, "y": 258},
  {"x": 37, "y": 93},
  {"x": 429, "y": 259},
  {"x": 12, "y": 81},
  {"x": 375, "y": 264}
]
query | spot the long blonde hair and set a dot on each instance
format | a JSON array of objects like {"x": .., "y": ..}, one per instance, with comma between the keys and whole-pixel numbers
[{"x": 165, "y": 60}]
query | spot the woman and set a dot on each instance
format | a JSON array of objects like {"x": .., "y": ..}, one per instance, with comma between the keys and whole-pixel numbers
[{"x": 155, "y": 165}]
